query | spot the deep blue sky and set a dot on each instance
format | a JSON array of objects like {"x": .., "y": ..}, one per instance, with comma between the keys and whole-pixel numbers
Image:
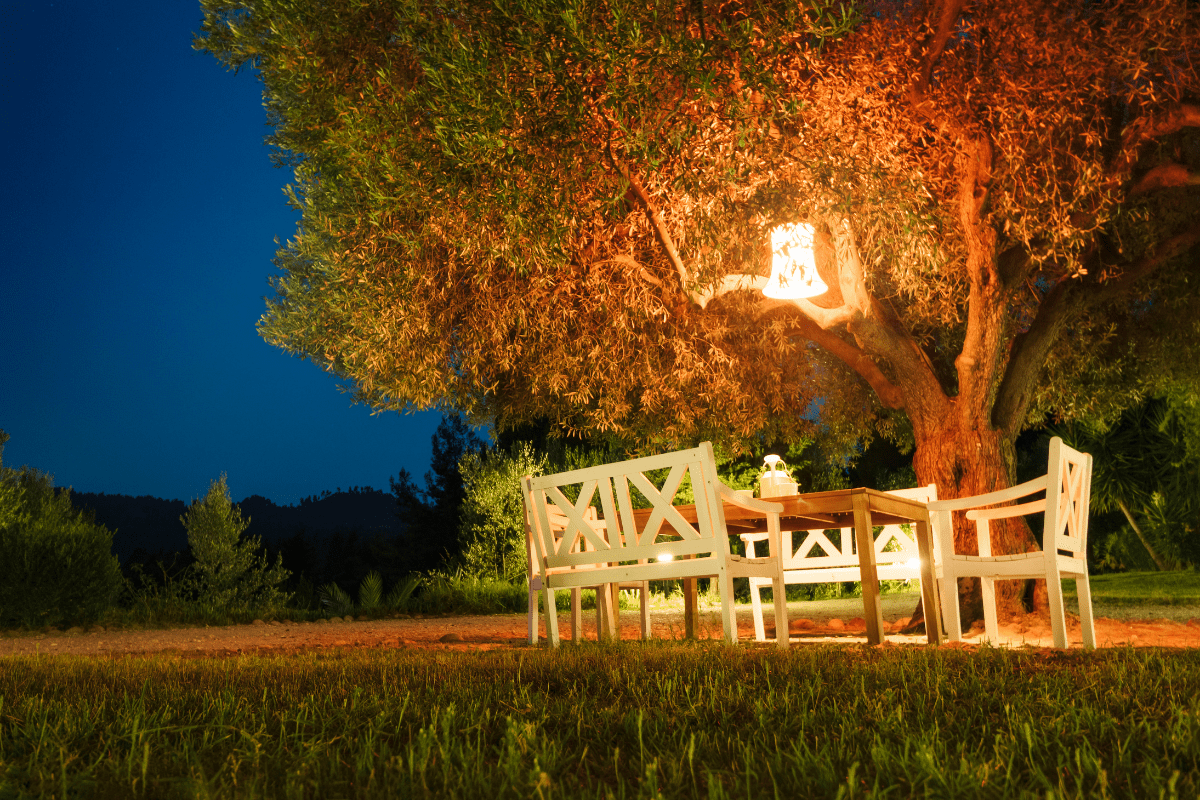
[{"x": 139, "y": 217}]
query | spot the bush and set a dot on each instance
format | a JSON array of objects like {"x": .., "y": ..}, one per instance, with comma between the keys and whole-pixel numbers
[
  {"x": 232, "y": 575},
  {"x": 492, "y": 522},
  {"x": 58, "y": 566}
]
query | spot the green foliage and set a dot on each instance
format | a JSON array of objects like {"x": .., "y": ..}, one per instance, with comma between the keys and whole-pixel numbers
[
  {"x": 370, "y": 592},
  {"x": 56, "y": 563},
  {"x": 492, "y": 526},
  {"x": 334, "y": 600},
  {"x": 232, "y": 575},
  {"x": 1147, "y": 464},
  {"x": 399, "y": 597}
]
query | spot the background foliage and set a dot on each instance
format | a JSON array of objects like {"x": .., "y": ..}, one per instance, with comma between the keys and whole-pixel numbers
[{"x": 56, "y": 563}]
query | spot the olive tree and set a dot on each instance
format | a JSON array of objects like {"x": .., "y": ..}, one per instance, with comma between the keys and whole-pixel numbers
[{"x": 561, "y": 209}]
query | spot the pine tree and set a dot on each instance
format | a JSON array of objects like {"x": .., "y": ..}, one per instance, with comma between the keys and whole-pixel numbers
[{"x": 233, "y": 575}]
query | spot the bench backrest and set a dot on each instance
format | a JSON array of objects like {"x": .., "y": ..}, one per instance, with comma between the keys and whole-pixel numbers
[
  {"x": 664, "y": 534},
  {"x": 904, "y": 546}
]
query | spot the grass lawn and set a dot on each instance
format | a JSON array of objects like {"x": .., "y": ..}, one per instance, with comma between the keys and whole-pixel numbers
[
  {"x": 1144, "y": 595},
  {"x": 626, "y": 720}
]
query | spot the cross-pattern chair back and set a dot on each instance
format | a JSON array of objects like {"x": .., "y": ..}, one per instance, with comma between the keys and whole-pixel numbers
[
  {"x": 1066, "y": 522},
  {"x": 613, "y": 487}
]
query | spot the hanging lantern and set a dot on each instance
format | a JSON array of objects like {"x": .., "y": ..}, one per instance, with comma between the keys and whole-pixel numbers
[{"x": 793, "y": 264}]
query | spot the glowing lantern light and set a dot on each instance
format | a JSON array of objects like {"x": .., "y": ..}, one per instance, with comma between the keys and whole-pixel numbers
[
  {"x": 793, "y": 264},
  {"x": 665, "y": 557}
]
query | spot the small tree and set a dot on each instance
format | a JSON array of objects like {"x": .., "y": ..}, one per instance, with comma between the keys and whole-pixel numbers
[
  {"x": 492, "y": 526},
  {"x": 233, "y": 575}
]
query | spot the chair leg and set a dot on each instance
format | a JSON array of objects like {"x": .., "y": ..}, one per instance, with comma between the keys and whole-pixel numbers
[
  {"x": 645, "y": 609},
  {"x": 1058, "y": 613},
  {"x": 950, "y": 613},
  {"x": 756, "y": 607},
  {"x": 533, "y": 614},
  {"x": 551, "y": 616},
  {"x": 991, "y": 624},
  {"x": 1084, "y": 589},
  {"x": 728, "y": 613},
  {"x": 781, "y": 621}
]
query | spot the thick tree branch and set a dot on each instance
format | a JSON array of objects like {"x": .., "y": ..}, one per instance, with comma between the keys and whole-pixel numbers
[
  {"x": 1164, "y": 176},
  {"x": 1031, "y": 348},
  {"x": 661, "y": 234},
  {"x": 978, "y": 361},
  {"x": 1028, "y": 355},
  {"x": 1167, "y": 250},
  {"x": 943, "y": 14},
  {"x": 1147, "y": 129},
  {"x": 862, "y": 364}
]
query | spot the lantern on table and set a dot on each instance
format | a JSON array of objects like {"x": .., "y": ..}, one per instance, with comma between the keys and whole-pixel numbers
[{"x": 775, "y": 481}]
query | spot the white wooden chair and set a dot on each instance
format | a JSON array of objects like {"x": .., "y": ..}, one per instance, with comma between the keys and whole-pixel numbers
[
  {"x": 558, "y": 525},
  {"x": 665, "y": 546},
  {"x": 1066, "y": 490},
  {"x": 819, "y": 560}
]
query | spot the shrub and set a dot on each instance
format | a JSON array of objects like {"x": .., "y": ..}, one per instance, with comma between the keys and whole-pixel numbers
[
  {"x": 232, "y": 574},
  {"x": 492, "y": 522},
  {"x": 58, "y": 566}
]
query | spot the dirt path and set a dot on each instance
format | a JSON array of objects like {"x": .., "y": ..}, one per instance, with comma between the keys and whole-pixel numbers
[{"x": 508, "y": 631}]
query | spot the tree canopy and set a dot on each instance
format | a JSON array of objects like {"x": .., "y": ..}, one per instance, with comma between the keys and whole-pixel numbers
[{"x": 562, "y": 209}]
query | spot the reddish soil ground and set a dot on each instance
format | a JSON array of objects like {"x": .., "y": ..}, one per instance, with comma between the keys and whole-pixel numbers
[{"x": 508, "y": 631}]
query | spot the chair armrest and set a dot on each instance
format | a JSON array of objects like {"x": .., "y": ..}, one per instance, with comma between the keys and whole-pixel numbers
[
  {"x": 754, "y": 537},
  {"x": 1036, "y": 507},
  {"x": 1001, "y": 496},
  {"x": 751, "y": 503}
]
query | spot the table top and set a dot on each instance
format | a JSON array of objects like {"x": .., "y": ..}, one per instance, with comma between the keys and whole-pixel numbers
[{"x": 814, "y": 511}]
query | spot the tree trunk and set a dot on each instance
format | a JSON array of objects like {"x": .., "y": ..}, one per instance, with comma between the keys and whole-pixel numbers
[
  {"x": 962, "y": 461},
  {"x": 1158, "y": 561}
]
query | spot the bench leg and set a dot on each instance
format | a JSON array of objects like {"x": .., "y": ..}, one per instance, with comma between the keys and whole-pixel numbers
[{"x": 551, "y": 616}]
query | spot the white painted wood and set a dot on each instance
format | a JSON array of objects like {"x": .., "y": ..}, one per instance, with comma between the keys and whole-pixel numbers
[
  {"x": 1067, "y": 496},
  {"x": 840, "y": 562},
  {"x": 605, "y": 617},
  {"x": 656, "y": 550}
]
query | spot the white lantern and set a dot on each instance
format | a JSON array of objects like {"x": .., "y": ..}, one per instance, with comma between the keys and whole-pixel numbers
[
  {"x": 775, "y": 481},
  {"x": 793, "y": 264}
]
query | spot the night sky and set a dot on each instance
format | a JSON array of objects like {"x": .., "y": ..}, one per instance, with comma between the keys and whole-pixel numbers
[{"x": 140, "y": 213}]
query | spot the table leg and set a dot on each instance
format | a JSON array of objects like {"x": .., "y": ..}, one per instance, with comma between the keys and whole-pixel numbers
[
  {"x": 929, "y": 594},
  {"x": 865, "y": 542}
]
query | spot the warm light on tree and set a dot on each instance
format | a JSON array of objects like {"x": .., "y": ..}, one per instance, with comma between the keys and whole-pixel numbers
[{"x": 570, "y": 218}]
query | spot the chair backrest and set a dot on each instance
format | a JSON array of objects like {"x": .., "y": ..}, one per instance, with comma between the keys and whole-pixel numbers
[
  {"x": 1067, "y": 488},
  {"x": 1069, "y": 476},
  {"x": 663, "y": 533}
]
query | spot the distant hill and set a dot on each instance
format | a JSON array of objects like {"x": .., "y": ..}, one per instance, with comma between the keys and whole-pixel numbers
[{"x": 152, "y": 524}]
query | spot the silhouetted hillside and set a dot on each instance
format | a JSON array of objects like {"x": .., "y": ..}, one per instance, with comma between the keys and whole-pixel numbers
[{"x": 152, "y": 524}]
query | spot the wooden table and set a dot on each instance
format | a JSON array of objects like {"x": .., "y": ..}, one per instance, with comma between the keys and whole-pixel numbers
[{"x": 861, "y": 509}]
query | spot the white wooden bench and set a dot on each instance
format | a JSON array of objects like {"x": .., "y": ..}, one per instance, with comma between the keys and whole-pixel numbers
[
  {"x": 558, "y": 525},
  {"x": 821, "y": 559},
  {"x": 665, "y": 546}
]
